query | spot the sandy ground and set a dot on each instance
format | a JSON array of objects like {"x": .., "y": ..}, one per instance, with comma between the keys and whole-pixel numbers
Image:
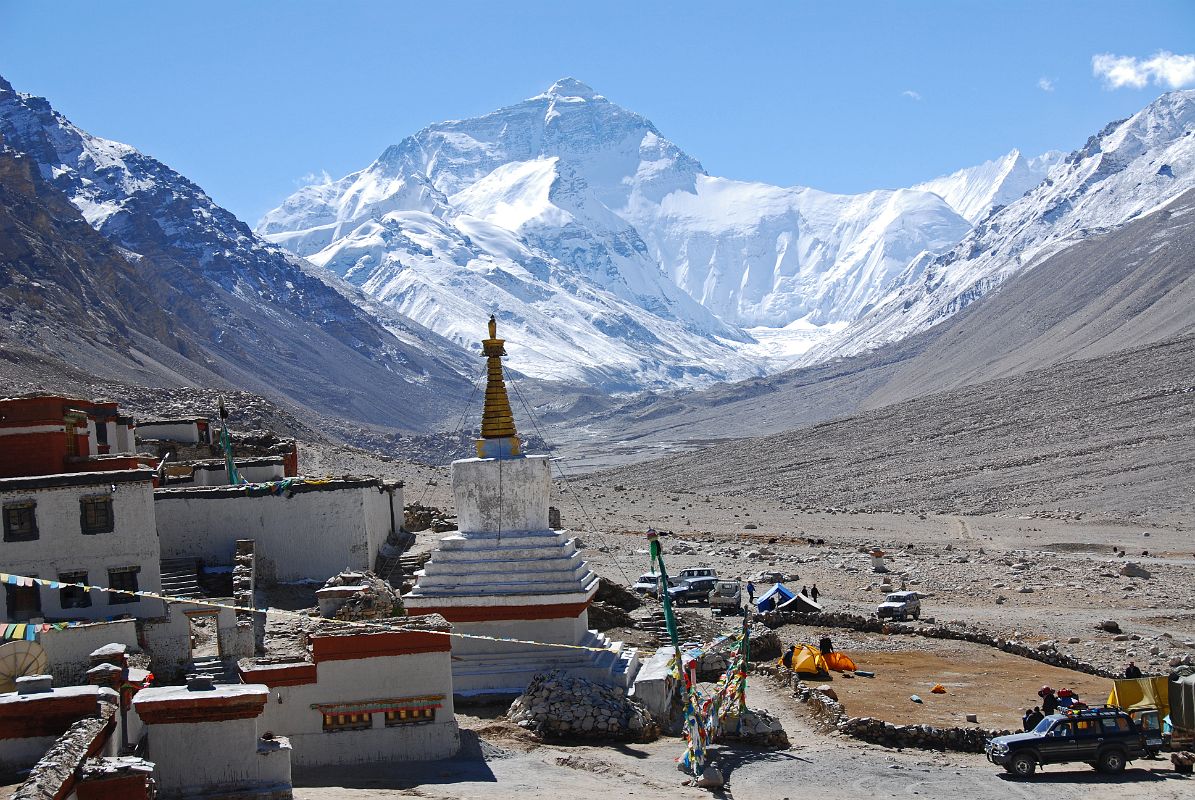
[{"x": 997, "y": 687}]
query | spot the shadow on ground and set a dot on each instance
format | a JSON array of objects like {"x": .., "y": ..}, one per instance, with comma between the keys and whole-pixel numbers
[
  {"x": 1089, "y": 776},
  {"x": 728, "y": 759},
  {"x": 467, "y": 766}
]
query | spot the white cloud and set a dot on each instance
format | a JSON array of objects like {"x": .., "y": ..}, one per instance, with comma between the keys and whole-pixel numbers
[
  {"x": 313, "y": 178},
  {"x": 1163, "y": 68},
  {"x": 1045, "y": 84},
  {"x": 909, "y": 93}
]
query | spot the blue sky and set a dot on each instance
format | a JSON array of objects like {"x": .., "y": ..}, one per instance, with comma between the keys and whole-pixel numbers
[{"x": 245, "y": 98}]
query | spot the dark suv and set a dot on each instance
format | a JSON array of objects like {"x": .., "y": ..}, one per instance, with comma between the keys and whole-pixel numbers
[{"x": 1105, "y": 738}]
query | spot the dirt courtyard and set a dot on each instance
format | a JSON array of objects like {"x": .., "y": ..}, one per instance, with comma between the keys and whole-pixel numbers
[{"x": 995, "y": 686}]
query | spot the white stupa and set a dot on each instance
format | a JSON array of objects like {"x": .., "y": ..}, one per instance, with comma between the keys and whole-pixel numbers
[{"x": 505, "y": 574}]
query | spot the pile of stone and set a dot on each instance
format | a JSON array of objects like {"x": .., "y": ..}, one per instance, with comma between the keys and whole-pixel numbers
[
  {"x": 559, "y": 706},
  {"x": 418, "y": 517},
  {"x": 612, "y": 605},
  {"x": 765, "y": 644},
  {"x": 359, "y": 596},
  {"x": 754, "y": 728}
]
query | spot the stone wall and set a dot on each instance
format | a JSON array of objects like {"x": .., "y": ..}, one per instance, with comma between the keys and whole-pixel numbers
[
  {"x": 53, "y": 776},
  {"x": 831, "y": 715},
  {"x": 871, "y": 625}
]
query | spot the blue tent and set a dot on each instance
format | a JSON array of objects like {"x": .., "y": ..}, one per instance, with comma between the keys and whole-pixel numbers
[{"x": 774, "y": 597}]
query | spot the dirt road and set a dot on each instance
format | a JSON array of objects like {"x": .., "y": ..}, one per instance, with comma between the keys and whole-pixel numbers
[{"x": 830, "y": 767}]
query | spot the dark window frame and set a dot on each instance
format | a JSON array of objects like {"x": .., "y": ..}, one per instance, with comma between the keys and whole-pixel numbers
[
  {"x": 11, "y": 593},
  {"x": 16, "y": 530},
  {"x": 121, "y": 596},
  {"x": 91, "y": 521},
  {"x": 73, "y": 596}
]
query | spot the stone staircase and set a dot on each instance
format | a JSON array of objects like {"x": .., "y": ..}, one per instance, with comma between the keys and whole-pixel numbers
[
  {"x": 221, "y": 671},
  {"x": 507, "y": 674},
  {"x": 656, "y": 625},
  {"x": 180, "y": 577},
  {"x": 388, "y": 565}
]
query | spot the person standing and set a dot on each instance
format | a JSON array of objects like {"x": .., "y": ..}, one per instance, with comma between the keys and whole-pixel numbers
[
  {"x": 1049, "y": 703},
  {"x": 1032, "y": 717},
  {"x": 1132, "y": 671},
  {"x": 813, "y": 593},
  {"x": 750, "y": 593}
]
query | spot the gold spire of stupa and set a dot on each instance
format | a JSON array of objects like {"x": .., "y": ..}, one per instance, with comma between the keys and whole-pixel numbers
[{"x": 498, "y": 436}]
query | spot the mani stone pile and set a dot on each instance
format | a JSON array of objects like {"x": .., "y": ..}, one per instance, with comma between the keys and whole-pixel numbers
[
  {"x": 352, "y": 596},
  {"x": 557, "y": 706}
]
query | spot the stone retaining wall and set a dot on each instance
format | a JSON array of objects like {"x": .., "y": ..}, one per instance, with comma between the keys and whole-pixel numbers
[
  {"x": 831, "y": 715},
  {"x": 774, "y": 619}
]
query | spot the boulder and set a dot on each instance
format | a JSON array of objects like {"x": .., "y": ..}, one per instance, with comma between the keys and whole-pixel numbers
[
  {"x": 1131, "y": 569},
  {"x": 1111, "y": 626}
]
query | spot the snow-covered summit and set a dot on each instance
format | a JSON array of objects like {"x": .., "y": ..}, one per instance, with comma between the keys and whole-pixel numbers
[
  {"x": 974, "y": 191},
  {"x": 570, "y": 88}
]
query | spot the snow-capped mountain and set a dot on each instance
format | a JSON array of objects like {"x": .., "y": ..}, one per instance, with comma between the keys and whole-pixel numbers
[
  {"x": 974, "y": 191},
  {"x": 616, "y": 238},
  {"x": 240, "y": 307},
  {"x": 1130, "y": 168}
]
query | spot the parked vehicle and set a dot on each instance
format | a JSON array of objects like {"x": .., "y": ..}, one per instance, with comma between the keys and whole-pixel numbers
[
  {"x": 689, "y": 573},
  {"x": 693, "y": 590},
  {"x": 649, "y": 584},
  {"x": 900, "y": 606},
  {"x": 1105, "y": 738},
  {"x": 727, "y": 597}
]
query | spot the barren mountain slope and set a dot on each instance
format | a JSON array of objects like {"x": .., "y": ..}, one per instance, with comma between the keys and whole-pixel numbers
[
  {"x": 1123, "y": 289},
  {"x": 1112, "y": 435},
  {"x": 199, "y": 299}
]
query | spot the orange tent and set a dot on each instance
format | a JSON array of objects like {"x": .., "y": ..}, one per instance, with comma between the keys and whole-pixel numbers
[{"x": 840, "y": 662}]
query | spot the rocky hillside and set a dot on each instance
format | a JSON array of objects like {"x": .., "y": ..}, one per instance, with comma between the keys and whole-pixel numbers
[
  {"x": 1112, "y": 435},
  {"x": 199, "y": 298}
]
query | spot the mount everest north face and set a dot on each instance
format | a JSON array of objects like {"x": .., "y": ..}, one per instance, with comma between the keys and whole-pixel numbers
[{"x": 612, "y": 257}]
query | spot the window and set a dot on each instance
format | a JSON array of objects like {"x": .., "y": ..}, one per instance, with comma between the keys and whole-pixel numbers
[
  {"x": 347, "y": 722},
  {"x": 24, "y": 602},
  {"x": 122, "y": 580},
  {"x": 409, "y": 716},
  {"x": 73, "y": 596},
  {"x": 96, "y": 514},
  {"x": 20, "y": 522},
  {"x": 72, "y": 441}
]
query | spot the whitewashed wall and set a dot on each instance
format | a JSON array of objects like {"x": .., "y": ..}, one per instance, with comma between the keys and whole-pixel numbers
[
  {"x": 192, "y": 758},
  {"x": 68, "y": 650},
  {"x": 181, "y": 432},
  {"x": 502, "y": 494},
  {"x": 289, "y": 712},
  {"x": 310, "y": 535},
  {"x": 62, "y": 547}
]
